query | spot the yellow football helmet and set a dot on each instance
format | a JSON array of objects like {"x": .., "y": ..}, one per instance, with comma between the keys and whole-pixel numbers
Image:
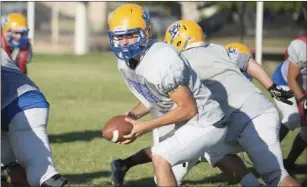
[
  {"x": 15, "y": 23},
  {"x": 129, "y": 19},
  {"x": 241, "y": 48},
  {"x": 184, "y": 34}
]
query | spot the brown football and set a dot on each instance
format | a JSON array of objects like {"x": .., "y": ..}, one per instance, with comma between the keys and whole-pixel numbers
[{"x": 116, "y": 128}]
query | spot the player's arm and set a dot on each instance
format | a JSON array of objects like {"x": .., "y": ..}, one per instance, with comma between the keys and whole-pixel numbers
[
  {"x": 185, "y": 109},
  {"x": 256, "y": 71},
  {"x": 249, "y": 65},
  {"x": 172, "y": 78},
  {"x": 293, "y": 73},
  {"x": 138, "y": 111}
]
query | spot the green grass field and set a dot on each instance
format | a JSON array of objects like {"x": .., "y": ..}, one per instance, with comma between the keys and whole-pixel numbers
[{"x": 84, "y": 92}]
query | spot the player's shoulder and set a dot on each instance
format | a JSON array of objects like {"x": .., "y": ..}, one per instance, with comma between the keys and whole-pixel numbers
[
  {"x": 297, "y": 52},
  {"x": 161, "y": 61},
  {"x": 217, "y": 50},
  {"x": 298, "y": 44},
  {"x": 6, "y": 61},
  {"x": 302, "y": 38},
  {"x": 214, "y": 46},
  {"x": 162, "y": 55},
  {"x": 162, "y": 48},
  {"x": 120, "y": 63}
]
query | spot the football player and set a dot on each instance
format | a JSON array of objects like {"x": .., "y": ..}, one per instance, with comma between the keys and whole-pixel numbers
[
  {"x": 292, "y": 74},
  {"x": 227, "y": 68},
  {"x": 24, "y": 117},
  {"x": 163, "y": 80},
  {"x": 15, "y": 41},
  {"x": 253, "y": 120}
]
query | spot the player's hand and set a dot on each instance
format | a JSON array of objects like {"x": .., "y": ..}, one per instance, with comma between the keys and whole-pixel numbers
[
  {"x": 137, "y": 130},
  {"x": 128, "y": 141},
  {"x": 280, "y": 94}
]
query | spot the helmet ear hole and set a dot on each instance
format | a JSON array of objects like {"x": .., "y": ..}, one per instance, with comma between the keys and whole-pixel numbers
[{"x": 178, "y": 44}]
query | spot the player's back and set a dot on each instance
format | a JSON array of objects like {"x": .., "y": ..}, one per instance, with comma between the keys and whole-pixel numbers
[
  {"x": 221, "y": 75},
  {"x": 13, "y": 82}
]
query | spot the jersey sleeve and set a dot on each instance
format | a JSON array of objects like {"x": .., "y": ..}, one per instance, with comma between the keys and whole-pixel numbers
[
  {"x": 171, "y": 72},
  {"x": 297, "y": 53},
  {"x": 240, "y": 59}
]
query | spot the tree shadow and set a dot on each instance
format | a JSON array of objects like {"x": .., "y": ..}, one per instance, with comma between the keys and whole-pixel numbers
[{"x": 75, "y": 136}]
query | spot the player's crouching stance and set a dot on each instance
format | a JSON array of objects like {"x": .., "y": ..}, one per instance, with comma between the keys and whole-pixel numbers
[
  {"x": 24, "y": 117},
  {"x": 160, "y": 78}
]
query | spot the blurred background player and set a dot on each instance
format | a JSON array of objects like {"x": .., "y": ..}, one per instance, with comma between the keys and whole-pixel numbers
[
  {"x": 15, "y": 41},
  {"x": 292, "y": 74},
  {"x": 24, "y": 117}
]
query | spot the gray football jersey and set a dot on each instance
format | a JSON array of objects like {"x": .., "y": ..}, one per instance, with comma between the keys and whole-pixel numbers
[
  {"x": 161, "y": 71},
  {"x": 221, "y": 75},
  {"x": 239, "y": 59},
  {"x": 13, "y": 82}
]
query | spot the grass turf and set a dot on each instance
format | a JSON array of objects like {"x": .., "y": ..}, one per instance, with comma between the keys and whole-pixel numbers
[{"x": 84, "y": 92}]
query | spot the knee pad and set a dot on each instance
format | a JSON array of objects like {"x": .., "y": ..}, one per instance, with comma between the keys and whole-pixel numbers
[
  {"x": 275, "y": 177},
  {"x": 303, "y": 133},
  {"x": 55, "y": 181}
]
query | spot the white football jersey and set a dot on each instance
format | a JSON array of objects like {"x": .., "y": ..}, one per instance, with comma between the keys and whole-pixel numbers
[
  {"x": 297, "y": 53},
  {"x": 161, "y": 71},
  {"x": 13, "y": 82}
]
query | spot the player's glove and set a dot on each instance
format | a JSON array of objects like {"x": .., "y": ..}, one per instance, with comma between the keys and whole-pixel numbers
[
  {"x": 303, "y": 106},
  {"x": 280, "y": 94}
]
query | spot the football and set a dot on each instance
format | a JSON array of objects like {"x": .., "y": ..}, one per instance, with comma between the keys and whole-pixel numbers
[{"x": 116, "y": 128}]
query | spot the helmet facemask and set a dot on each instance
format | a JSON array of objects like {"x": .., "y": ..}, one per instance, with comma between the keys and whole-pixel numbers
[
  {"x": 131, "y": 50},
  {"x": 17, "y": 42}
]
